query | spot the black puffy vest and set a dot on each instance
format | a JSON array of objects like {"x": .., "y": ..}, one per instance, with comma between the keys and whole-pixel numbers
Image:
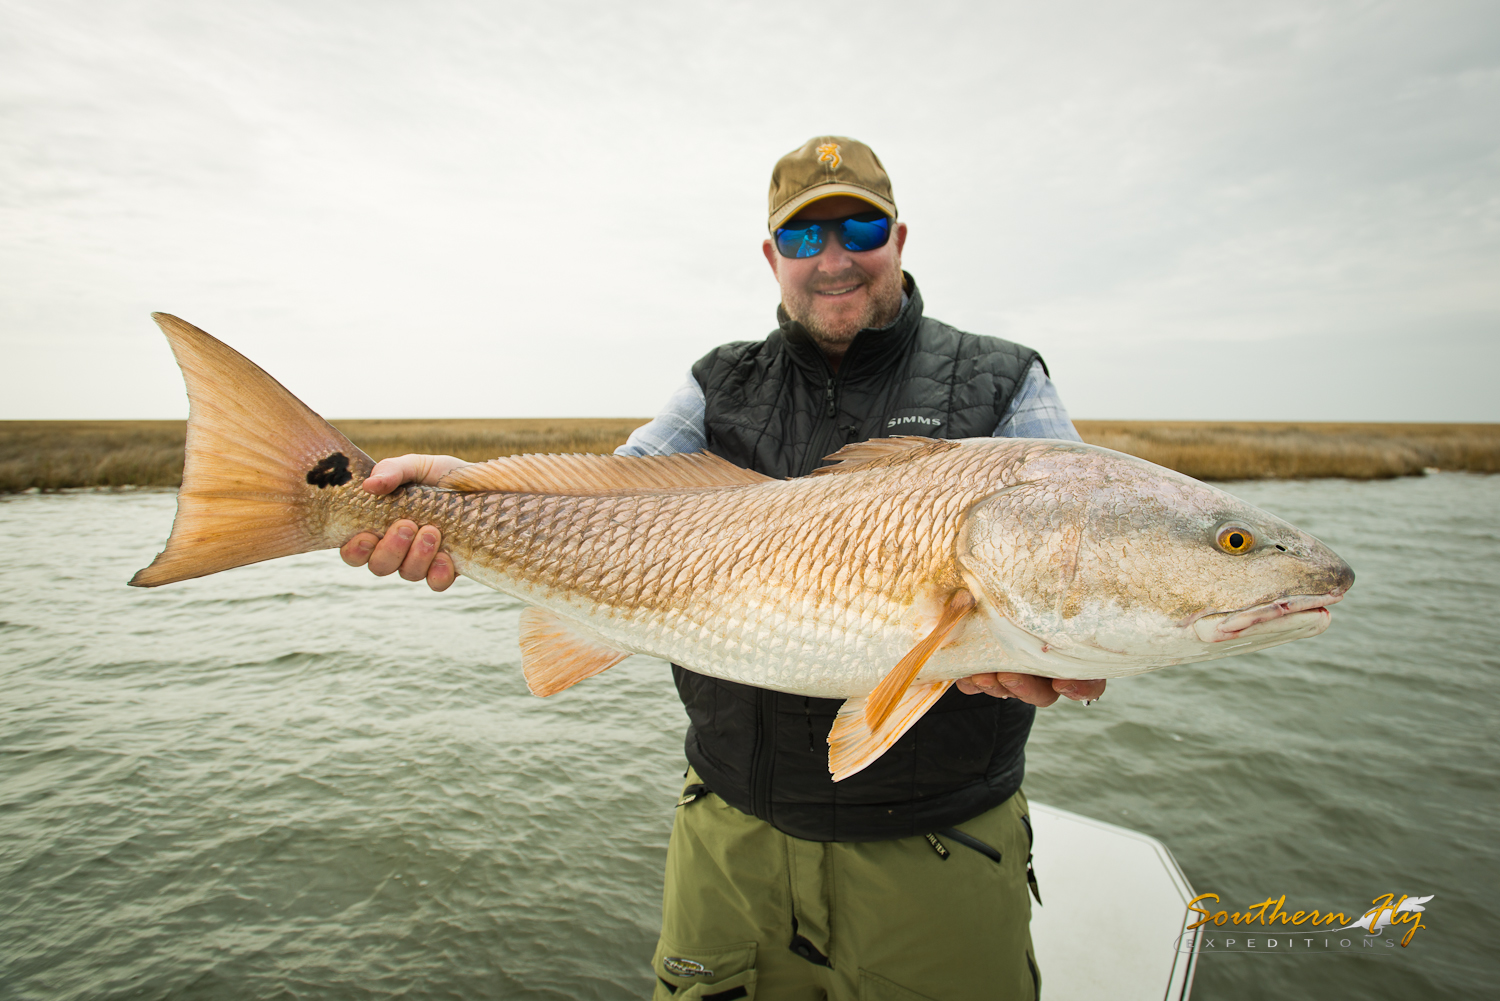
[{"x": 776, "y": 406}]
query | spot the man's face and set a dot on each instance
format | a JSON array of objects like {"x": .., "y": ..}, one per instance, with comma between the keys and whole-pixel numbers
[{"x": 838, "y": 293}]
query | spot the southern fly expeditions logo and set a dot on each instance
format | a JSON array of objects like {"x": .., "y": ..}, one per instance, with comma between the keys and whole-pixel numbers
[
  {"x": 1268, "y": 927},
  {"x": 829, "y": 153}
]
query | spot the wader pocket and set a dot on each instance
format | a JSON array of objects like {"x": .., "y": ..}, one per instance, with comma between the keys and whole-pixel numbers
[{"x": 717, "y": 973}]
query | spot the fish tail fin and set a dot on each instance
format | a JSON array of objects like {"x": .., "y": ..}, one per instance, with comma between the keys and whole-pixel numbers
[{"x": 257, "y": 459}]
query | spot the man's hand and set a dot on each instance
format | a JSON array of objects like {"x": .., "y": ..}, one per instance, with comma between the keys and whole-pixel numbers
[
  {"x": 1030, "y": 688},
  {"x": 405, "y": 547}
]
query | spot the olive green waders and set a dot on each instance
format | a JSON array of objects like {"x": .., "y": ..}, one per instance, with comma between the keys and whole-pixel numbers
[{"x": 749, "y": 912}]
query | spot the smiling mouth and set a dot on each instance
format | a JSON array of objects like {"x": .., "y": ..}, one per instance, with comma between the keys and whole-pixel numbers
[
  {"x": 841, "y": 290},
  {"x": 1300, "y": 611}
]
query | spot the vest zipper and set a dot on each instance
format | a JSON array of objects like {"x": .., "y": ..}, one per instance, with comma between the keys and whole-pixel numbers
[
  {"x": 825, "y": 440},
  {"x": 763, "y": 757}
]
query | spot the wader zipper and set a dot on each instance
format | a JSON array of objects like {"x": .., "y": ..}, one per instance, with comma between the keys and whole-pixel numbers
[
  {"x": 967, "y": 840},
  {"x": 693, "y": 793},
  {"x": 1030, "y": 869}
]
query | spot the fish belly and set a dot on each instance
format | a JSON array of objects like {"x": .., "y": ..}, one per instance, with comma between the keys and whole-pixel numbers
[{"x": 831, "y": 650}]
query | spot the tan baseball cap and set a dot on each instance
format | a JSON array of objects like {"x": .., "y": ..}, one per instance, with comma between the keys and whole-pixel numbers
[{"x": 826, "y": 166}]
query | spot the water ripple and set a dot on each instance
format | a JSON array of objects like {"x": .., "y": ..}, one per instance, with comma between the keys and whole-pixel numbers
[{"x": 295, "y": 781}]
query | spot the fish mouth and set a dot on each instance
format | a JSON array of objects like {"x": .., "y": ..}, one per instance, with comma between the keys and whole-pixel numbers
[{"x": 1304, "y": 613}]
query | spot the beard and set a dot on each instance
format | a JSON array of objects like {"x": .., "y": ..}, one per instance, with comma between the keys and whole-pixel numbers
[{"x": 836, "y": 329}]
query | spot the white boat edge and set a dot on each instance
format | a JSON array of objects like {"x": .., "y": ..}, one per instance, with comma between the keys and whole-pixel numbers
[{"x": 1114, "y": 911}]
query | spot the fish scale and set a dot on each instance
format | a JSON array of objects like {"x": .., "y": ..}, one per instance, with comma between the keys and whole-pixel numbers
[{"x": 532, "y": 547}]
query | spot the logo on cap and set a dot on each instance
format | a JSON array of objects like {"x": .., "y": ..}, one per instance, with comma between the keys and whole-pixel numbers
[{"x": 829, "y": 153}]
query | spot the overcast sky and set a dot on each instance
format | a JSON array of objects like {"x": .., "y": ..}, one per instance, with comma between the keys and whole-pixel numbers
[{"x": 1193, "y": 210}]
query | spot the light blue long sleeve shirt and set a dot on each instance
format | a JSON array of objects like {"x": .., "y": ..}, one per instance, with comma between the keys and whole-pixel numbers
[{"x": 1035, "y": 411}]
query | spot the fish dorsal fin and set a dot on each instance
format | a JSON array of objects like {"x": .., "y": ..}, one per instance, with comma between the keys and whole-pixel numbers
[
  {"x": 854, "y": 746},
  {"x": 555, "y": 654},
  {"x": 888, "y": 693},
  {"x": 585, "y": 475},
  {"x": 883, "y": 452}
]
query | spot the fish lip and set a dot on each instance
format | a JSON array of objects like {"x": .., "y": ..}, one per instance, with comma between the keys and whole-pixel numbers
[{"x": 1216, "y": 627}]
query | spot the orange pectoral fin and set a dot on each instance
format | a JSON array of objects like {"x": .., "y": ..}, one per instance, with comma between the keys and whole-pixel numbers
[
  {"x": 854, "y": 745},
  {"x": 555, "y": 654},
  {"x": 883, "y": 699}
]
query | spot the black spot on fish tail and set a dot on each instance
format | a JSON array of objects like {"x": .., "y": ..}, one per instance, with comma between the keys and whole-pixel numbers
[{"x": 331, "y": 471}]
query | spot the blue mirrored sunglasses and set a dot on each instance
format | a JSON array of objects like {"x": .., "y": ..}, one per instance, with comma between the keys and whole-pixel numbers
[{"x": 864, "y": 231}]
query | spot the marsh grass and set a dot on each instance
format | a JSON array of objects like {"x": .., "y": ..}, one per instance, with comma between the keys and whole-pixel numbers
[
  {"x": 1288, "y": 451},
  {"x": 55, "y": 455}
]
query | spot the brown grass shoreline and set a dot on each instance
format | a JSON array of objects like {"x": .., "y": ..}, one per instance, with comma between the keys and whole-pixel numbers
[
  {"x": 1267, "y": 450},
  {"x": 57, "y": 455}
]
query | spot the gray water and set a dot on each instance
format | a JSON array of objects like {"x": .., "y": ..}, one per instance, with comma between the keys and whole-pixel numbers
[{"x": 297, "y": 781}]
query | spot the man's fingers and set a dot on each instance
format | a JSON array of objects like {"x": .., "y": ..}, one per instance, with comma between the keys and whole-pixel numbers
[
  {"x": 1079, "y": 691},
  {"x": 356, "y": 552},
  {"x": 416, "y": 552},
  {"x": 986, "y": 683},
  {"x": 391, "y": 550},
  {"x": 403, "y": 547},
  {"x": 443, "y": 573},
  {"x": 1028, "y": 688},
  {"x": 420, "y": 556},
  {"x": 389, "y": 474}
]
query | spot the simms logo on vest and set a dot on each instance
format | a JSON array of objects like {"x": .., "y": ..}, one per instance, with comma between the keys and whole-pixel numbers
[{"x": 928, "y": 421}]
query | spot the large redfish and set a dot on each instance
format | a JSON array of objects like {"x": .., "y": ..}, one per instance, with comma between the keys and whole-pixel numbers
[{"x": 909, "y": 563}]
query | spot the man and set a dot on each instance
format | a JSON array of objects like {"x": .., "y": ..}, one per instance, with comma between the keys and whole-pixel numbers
[{"x": 908, "y": 879}]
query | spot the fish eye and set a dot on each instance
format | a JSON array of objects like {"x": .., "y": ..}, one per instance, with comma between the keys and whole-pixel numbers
[{"x": 1235, "y": 539}]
